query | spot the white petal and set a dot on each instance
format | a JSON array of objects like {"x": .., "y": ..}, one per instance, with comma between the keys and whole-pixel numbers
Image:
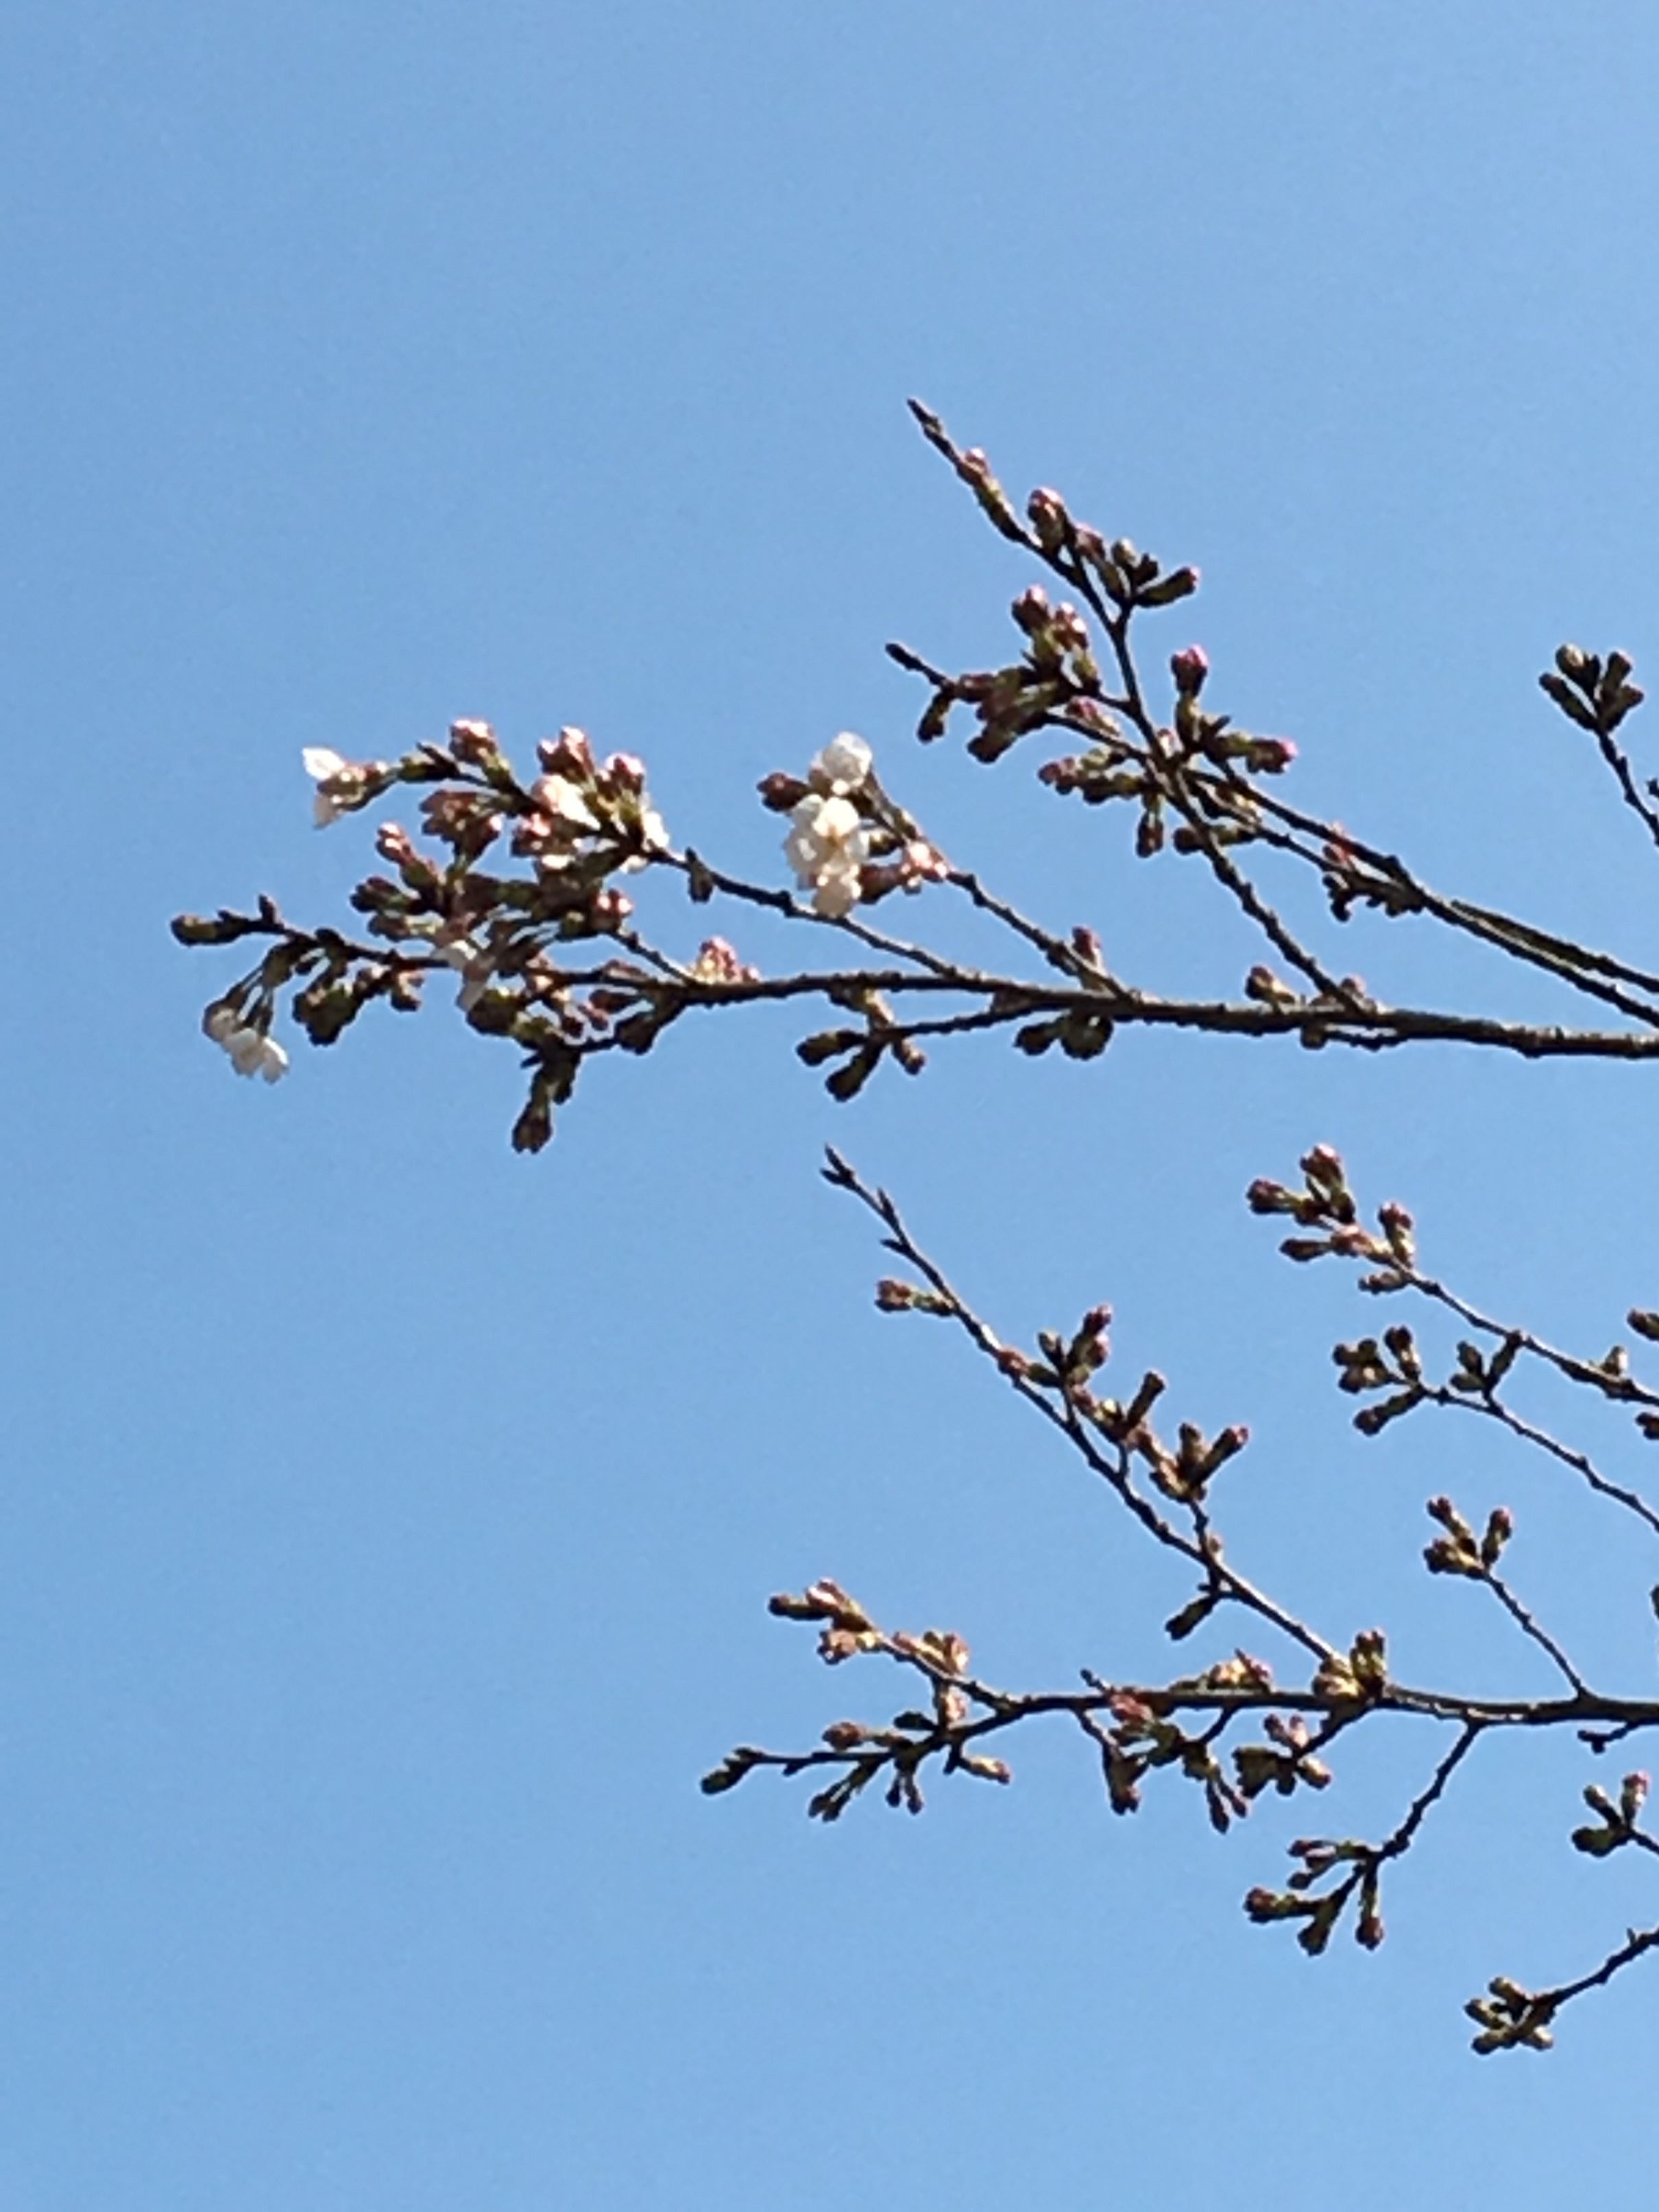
[
  {"x": 805, "y": 855},
  {"x": 322, "y": 761},
  {"x": 558, "y": 796},
  {"x": 845, "y": 762},
  {"x": 838, "y": 822},
  {"x": 273, "y": 1060},
  {"x": 837, "y": 893},
  {"x": 246, "y": 1048}
]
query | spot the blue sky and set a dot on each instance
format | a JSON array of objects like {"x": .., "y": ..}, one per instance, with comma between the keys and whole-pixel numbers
[{"x": 388, "y": 1520}]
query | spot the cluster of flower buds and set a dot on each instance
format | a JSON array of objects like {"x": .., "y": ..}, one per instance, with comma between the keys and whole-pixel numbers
[
  {"x": 895, "y": 1296},
  {"x": 1111, "y": 769},
  {"x": 913, "y": 1736},
  {"x": 939, "y": 1651},
  {"x": 1351, "y": 881},
  {"x": 1359, "y": 1677},
  {"x": 1081, "y": 1033},
  {"x": 1057, "y": 680},
  {"x": 1394, "y": 1365},
  {"x": 579, "y": 823},
  {"x": 1213, "y": 737},
  {"x": 1184, "y": 1475},
  {"x": 1596, "y": 695},
  {"x": 1142, "y": 1738},
  {"x": 578, "y": 808},
  {"x": 849, "y": 1628},
  {"x": 251, "y": 1048},
  {"x": 1265, "y": 988},
  {"x": 1067, "y": 1362},
  {"x": 1460, "y": 1552},
  {"x": 1618, "y": 1822},
  {"x": 1510, "y": 2016},
  {"x": 1243, "y": 1671},
  {"x": 717, "y": 961},
  {"x": 1326, "y": 1202},
  {"x": 1320, "y": 1858},
  {"x": 1287, "y": 1761},
  {"x": 1130, "y": 578}
]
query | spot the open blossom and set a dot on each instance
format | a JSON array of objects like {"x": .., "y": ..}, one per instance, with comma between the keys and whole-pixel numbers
[
  {"x": 842, "y": 766},
  {"x": 827, "y": 847},
  {"x": 251, "y": 1051},
  {"x": 326, "y": 767}
]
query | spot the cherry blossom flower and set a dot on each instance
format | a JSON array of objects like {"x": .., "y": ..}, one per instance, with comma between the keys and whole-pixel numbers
[
  {"x": 842, "y": 766},
  {"x": 827, "y": 847},
  {"x": 325, "y": 767},
  {"x": 251, "y": 1051}
]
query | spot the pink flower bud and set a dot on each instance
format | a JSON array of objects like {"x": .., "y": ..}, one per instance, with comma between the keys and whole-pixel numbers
[
  {"x": 1189, "y": 667},
  {"x": 1031, "y": 609},
  {"x": 472, "y": 742},
  {"x": 568, "y": 753}
]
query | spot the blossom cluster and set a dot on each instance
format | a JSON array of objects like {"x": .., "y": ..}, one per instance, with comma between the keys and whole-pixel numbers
[
  {"x": 842, "y": 828},
  {"x": 829, "y": 839},
  {"x": 576, "y": 803},
  {"x": 251, "y": 1050}
]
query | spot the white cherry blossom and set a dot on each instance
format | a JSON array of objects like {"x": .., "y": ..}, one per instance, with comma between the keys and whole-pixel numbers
[
  {"x": 827, "y": 847},
  {"x": 322, "y": 764},
  {"x": 842, "y": 766},
  {"x": 251, "y": 1051}
]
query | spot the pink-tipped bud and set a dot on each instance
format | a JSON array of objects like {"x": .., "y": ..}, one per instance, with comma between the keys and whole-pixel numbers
[
  {"x": 1189, "y": 667},
  {"x": 568, "y": 753},
  {"x": 1031, "y": 609},
  {"x": 472, "y": 742},
  {"x": 1046, "y": 510}
]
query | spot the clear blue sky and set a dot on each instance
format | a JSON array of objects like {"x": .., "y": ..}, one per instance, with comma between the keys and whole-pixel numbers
[{"x": 388, "y": 1520}]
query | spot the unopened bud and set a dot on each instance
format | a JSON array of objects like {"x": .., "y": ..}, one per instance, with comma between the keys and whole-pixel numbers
[
  {"x": 781, "y": 793},
  {"x": 1031, "y": 609},
  {"x": 1050, "y": 519},
  {"x": 1189, "y": 667},
  {"x": 473, "y": 742},
  {"x": 568, "y": 753}
]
